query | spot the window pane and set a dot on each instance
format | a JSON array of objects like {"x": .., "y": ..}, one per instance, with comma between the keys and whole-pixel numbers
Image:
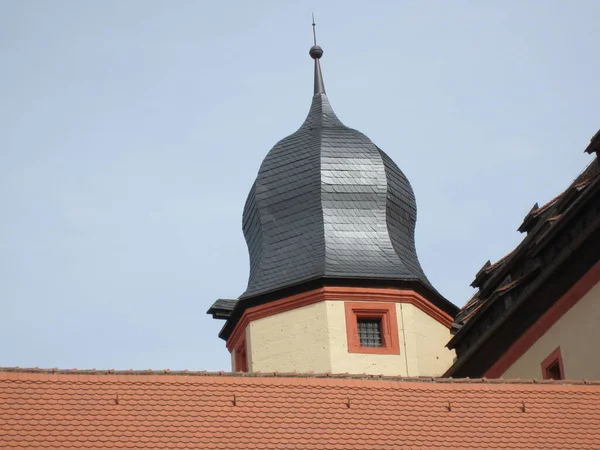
[
  {"x": 553, "y": 371},
  {"x": 369, "y": 332}
]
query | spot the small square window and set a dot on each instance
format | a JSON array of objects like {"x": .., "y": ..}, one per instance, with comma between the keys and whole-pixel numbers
[
  {"x": 372, "y": 328},
  {"x": 369, "y": 332}
]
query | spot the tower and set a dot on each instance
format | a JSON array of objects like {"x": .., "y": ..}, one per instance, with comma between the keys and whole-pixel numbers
[{"x": 335, "y": 283}]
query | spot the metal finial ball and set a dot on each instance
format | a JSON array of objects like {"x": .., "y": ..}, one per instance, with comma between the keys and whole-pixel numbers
[{"x": 315, "y": 52}]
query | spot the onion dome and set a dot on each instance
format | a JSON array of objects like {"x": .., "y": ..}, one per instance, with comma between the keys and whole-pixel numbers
[{"x": 328, "y": 203}]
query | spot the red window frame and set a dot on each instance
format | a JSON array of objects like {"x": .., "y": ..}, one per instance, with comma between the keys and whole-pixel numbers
[
  {"x": 386, "y": 312},
  {"x": 554, "y": 358},
  {"x": 241, "y": 357}
]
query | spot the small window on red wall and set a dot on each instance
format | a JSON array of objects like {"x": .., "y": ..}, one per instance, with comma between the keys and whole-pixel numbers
[
  {"x": 552, "y": 366},
  {"x": 241, "y": 357},
  {"x": 372, "y": 328}
]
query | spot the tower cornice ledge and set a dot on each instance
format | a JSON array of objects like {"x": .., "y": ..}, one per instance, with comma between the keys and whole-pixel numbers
[{"x": 336, "y": 293}]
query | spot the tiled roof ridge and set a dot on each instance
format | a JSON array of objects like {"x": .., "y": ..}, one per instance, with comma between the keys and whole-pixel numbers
[
  {"x": 279, "y": 375},
  {"x": 549, "y": 203},
  {"x": 500, "y": 261},
  {"x": 580, "y": 180},
  {"x": 586, "y": 176}
]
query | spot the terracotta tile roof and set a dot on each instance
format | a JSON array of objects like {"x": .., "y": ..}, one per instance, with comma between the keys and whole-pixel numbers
[
  {"x": 74, "y": 409},
  {"x": 511, "y": 285}
]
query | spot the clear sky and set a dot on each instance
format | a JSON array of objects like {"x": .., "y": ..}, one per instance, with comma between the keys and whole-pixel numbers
[{"x": 131, "y": 132}]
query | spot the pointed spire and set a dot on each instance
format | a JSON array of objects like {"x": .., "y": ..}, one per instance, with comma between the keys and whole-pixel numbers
[{"x": 315, "y": 53}]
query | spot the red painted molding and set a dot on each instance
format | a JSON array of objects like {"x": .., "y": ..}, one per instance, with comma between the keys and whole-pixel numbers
[
  {"x": 543, "y": 324},
  {"x": 241, "y": 356},
  {"x": 551, "y": 359},
  {"x": 339, "y": 293},
  {"x": 392, "y": 296},
  {"x": 272, "y": 308},
  {"x": 389, "y": 327}
]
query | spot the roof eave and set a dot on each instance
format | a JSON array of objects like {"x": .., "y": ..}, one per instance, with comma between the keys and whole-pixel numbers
[{"x": 417, "y": 284}]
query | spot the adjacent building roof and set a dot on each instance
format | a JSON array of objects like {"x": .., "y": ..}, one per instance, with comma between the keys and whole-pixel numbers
[
  {"x": 93, "y": 409},
  {"x": 594, "y": 144},
  {"x": 562, "y": 243}
]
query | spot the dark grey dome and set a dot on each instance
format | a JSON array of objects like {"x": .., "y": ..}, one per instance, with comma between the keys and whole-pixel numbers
[{"x": 327, "y": 202}]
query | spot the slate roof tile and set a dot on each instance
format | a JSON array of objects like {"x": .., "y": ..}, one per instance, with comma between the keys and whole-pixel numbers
[{"x": 330, "y": 186}]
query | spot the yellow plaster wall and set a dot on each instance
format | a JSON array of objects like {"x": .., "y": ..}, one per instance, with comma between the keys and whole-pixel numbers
[
  {"x": 422, "y": 345},
  {"x": 314, "y": 338},
  {"x": 577, "y": 333},
  {"x": 342, "y": 361},
  {"x": 296, "y": 340},
  {"x": 431, "y": 337}
]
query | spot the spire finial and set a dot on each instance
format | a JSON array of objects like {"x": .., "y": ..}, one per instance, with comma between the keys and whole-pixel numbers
[{"x": 315, "y": 53}]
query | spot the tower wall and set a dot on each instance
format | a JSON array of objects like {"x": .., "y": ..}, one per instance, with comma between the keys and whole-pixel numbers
[
  {"x": 314, "y": 332},
  {"x": 291, "y": 341}
]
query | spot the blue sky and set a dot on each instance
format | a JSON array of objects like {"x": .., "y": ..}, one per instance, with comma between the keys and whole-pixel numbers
[{"x": 131, "y": 132}]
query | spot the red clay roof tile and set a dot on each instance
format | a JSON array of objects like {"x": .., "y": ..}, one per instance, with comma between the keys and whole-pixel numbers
[{"x": 278, "y": 411}]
